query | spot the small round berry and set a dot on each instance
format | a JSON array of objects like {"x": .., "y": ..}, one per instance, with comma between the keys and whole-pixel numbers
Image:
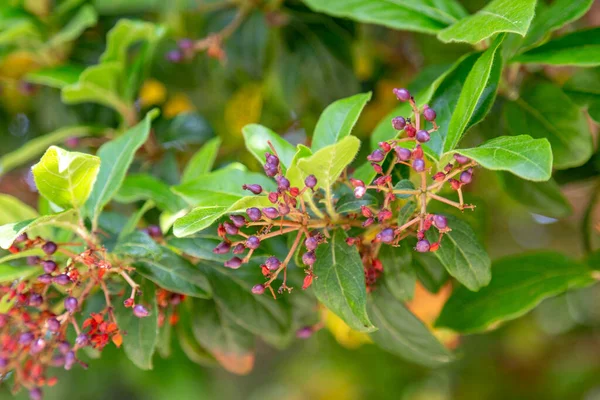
[
  {"x": 423, "y": 246},
  {"x": 128, "y": 303},
  {"x": 62, "y": 279},
  {"x": 258, "y": 289},
  {"x": 21, "y": 238},
  {"x": 49, "y": 266},
  {"x": 283, "y": 183},
  {"x": 311, "y": 243},
  {"x": 270, "y": 170},
  {"x": 402, "y": 94},
  {"x": 419, "y": 165},
  {"x": 423, "y": 136},
  {"x": 398, "y": 123},
  {"x": 309, "y": 258},
  {"x": 376, "y": 156},
  {"x": 253, "y": 213},
  {"x": 310, "y": 181},
  {"x": 71, "y": 304},
  {"x": 252, "y": 242},
  {"x": 385, "y": 146},
  {"x": 270, "y": 212},
  {"x": 33, "y": 260},
  {"x": 3, "y": 363},
  {"x": 222, "y": 248},
  {"x": 233, "y": 263},
  {"x": 70, "y": 360},
  {"x": 140, "y": 311},
  {"x": 174, "y": 56},
  {"x": 429, "y": 114},
  {"x": 72, "y": 142},
  {"x": 461, "y": 159},
  {"x": 272, "y": 263},
  {"x": 64, "y": 347},
  {"x": 386, "y": 235},
  {"x": 254, "y": 188},
  {"x": 294, "y": 191},
  {"x": 154, "y": 231},
  {"x": 185, "y": 44},
  {"x": 273, "y": 197},
  {"x": 284, "y": 209},
  {"x": 368, "y": 222},
  {"x": 35, "y": 300},
  {"x": 417, "y": 152},
  {"x": 304, "y": 332},
  {"x": 26, "y": 338},
  {"x": 439, "y": 176},
  {"x": 35, "y": 394},
  {"x": 455, "y": 184},
  {"x": 45, "y": 279},
  {"x": 38, "y": 345},
  {"x": 82, "y": 340},
  {"x": 356, "y": 182},
  {"x": 239, "y": 249},
  {"x": 238, "y": 220},
  {"x": 230, "y": 228},
  {"x": 466, "y": 177},
  {"x": 272, "y": 159},
  {"x": 402, "y": 153},
  {"x": 359, "y": 191},
  {"x": 49, "y": 248},
  {"x": 440, "y": 221}
]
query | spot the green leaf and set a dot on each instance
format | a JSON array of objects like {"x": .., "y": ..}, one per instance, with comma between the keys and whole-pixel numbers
[
  {"x": 522, "y": 155},
  {"x": 66, "y": 178},
  {"x": 520, "y": 283},
  {"x": 8, "y": 273},
  {"x": 84, "y": 18},
  {"x": 9, "y": 232},
  {"x": 124, "y": 34},
  {"x": 430, "y": 271},
  {"x": 35, "y": 147},
  {"x": 543, "y": 198},
  {"x": 230, "y": 344},
  {"x": 581, "y": 49},
  {"x": 14, "y": 210},
  {"x": 174, "y": 273},
  {"x": 294, "y": 174},
  {"x": 188, "y": 128},
  {"x": 202, "y": 162},
  {"x": 135, "y": 218},
  {"x": 584, "y": 88},
  {"x": 414, "y": 15},
  {"x": 498, "y": 16},
  {"x": 473, "y": 91},
  {"x": 56, "y": 77},
  {"x": 200, "y": 247},
  {"x": 198, "y": 219},
  {"x": 141, "y": 336},
  {"x": 337, "y": 120},
  {"x": 137, "y": 245},
  {"x": 138, "y": 187},
  {"x": 545, "y": 111},
  {"x": 340, "y": 283},
  {"x": 116, "y": 157},
  {"x": 551, "y": 18},
  {"x": 328, "y": 163},
  {"x": 399, "y": 276},
  {"x": 257, "y": 138},
  {"x": 462, "y": 255},
  {"x": 404, "y": 184},
  {"x": 406, "y": 212},
  {"x": 402, "y": 333},
  {"x": 348, "y": 203}
]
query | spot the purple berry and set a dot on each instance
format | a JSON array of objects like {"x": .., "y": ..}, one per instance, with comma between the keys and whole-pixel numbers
[
  {"x": 37, "y": 346},
  {"x": 252, "y": 242},
  {"x": 82, "y": 340},
  {"x": 71, "y": 304},
  {"x": 376, "y": 156},
  {"x": 230, "y": 228},
  {"x": 45, "y": 279},
  {"x": 270, "y": 212},
  {"x": 440, "y": 221},
  {"x": 222, "y": 248},
  {"x": 72, "y": 142},
  {"x": 423, "y": 246},
  {"x": 272, "y": 159},
  {"x": 402, "y": 94},
  {"x": 174, "y": 56},
  {"x": 283, "y": 183},
  {"x": 419, "y": 165},
  {"x": 402, "y": 153},
  {"x": 62, "y": 279},
  {"x": 25, "y": 338},
  {"x": 21, "y": 238},
  {"x": 272, "y": 263},
  {"x": 461, "y": 159},
  {"x": 309, "y": 258},
  {"x": 185, "y": 44},
  {"x": 254, "y": 213},
  {"x": 35, "y": 394},
  {"x": 386, "y": 235},
  {"x": 49, "y": 266},
  {"x": 304, "y": 332},
  {"x": 35, "y": 300},
  {"x": 310, "y": 181},
  {"x": 311, "y": 243},
  {"x": 233, "y": 263},
  {"x": 238, "y": 220},
  {"x": 53, "y": 324},
  {"x": 254, "y": 188},
  {"x": 154, "y": 231},
  {"x": 466, "y": 177},
  {"x": 284, "y": 209},
  {"x": 3, "y": 363},
  {"x": 239, "y": 249},
  {"x": 429, "y": 114},
  {"x": 33, "y": 260},
  {"x": 140, "y": 311},
  {"x": 359, "y": 191},
  {"x": 49, "y": 248},
  {"x": 270, "y": 170},
  {"x": 70, "y": 360},
  {"x": 258, "y": 289},
  {"x": 64, "y": 347},
  {"x": 398, "y": 123},
  {"x": 423, "y": 136}
]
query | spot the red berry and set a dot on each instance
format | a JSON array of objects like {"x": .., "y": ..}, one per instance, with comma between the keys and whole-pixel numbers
[
  {"x": 438, "y": 177},
  {"x": 385, "y": 146},
  {"x": 128, "y": 303},
  {"x": 455, "y": 184},
  {"x": 410, "y": 130},
  {"x": 357, "y": 182},
  {"x": 366, "y": 211}
]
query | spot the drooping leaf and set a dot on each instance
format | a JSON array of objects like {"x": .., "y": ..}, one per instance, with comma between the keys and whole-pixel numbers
[
  {"x": 402, "y": 333},
  {"x": 398, "y": 274},
  {"x": 462, "y": 255},
  {"x": 138, "y": 187},
  {"x": 498, "y": 16},
  {"x": 66, "y": 178},
  {"x": 340, "y": 283},
  {"x": 202, "y": 162},
  {"x": 9, "y": 232},
  {"x": 257, "y": 138},
  {"x": 519, "y": 284},
  {"x": 522, "y": 155},
  {"x": 337, "y": 120}
]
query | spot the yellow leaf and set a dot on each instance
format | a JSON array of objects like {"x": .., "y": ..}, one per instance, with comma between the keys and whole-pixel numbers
[
  {"x": 152, "y": 93},
  {"x": 342, "y": 333},
  {"x": 243, "y": 108}
]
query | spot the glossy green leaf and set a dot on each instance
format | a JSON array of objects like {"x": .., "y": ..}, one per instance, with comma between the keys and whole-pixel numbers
[
  {"x": 497, "y": 16},
  {"x": 472, "y": 93},
  {"x": 138, "y": 187},
  {"x": 404, "y": 184},
  {"x": 186, "y": 129},
  {"x": 545, "y": 111},
  {"x": 141, "y": 336},
  {"x": 198, "y": 219},
  {"x": 14, "y": 210},
  {"x": 418, "y": 15},
  {"x": 399, "y": 276},
  {"x": 462, "y": 255},
  {"x": 85, "y": 17},
  {"x": 66, "y": 178},
  {"x": 257, "y": 138},
  {"x": 348, "y": 203},
  {"x": 200, "y": 246},
  {"x": 544, "y": 198},
  {"x": 138, "y": 245},
  {"x": 116, "y": 157},
  {"x": 56, "y": 77},
  {"x": 430, "y": 271},
  {"x": 519, "y": 284},
  {"x": 338, "y": 119},
  {"x": 97, "y": 84},
  {"x": 402, "y": 333},
  {"x": 581, "y": 48},
  {"x": 584, "y": 89},
  {"x": 8, "y": 273},
  {"x": 340, "y": 283},
  {"x": 9, "y": 232},
  {"x": 202, "y": 162},
  {"x": 406, "y": 212},
  {"x": 522, "y": 155}
]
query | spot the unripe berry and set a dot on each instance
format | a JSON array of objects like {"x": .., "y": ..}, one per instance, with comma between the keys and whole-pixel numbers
[
  {"x": 294, "y": 191},
  {"x": 356, "y": 182},
  {"x": 419, "y": 165},
  {"x": 402, "y": 94},
  {"x": 376, "y": 156},
  {"x": 49, "y": 248},
  {"x": 461, "y": 159},
  {"x": 417, "y": 152},
  {"x": 440, "y": 221},
  {"x": 49, "y": 266},
  {"x": 366, "y": 211},
  {"x": 270, "y": 212},
  {"x": 254, "y": 188},
  {"x": 252, "y": 242},
  {"x": 359, "y": 191},
  {"x": 384, "y": 215},
  {"x": 434, "y": 246},
  {"x": 273, "y": 197},
  {"x": 398, "y": 123},
  {"x": 455, "y": 184},
  {"x": 386, "y": 235},
  {"x": 439, "y": 176},
  {"x": 309, "y": 258},
  {"x": 368, "y": 222},
  {"x": 402, "y": 153},
  {"x": 466, "y": 177},
  {"x": 270, "y": 170},
  {"x": 238, "y": 220},
  {"x": 233, "y": 263},
  {"x": 140, "y": 311},
  {"x": 429, "y": 114},
  {"x": 410, "y": 130},
  {"x": 71, "y": 304},
  {"x": 310, "y": 181},
  {"x": 62, "y": 279},
  {"x": 128, "y": 303},
  {"x": 258, "y": 289},
  {"x": 222, "y": 248},
  {"x": 423, "y": 246},
  {"x": 253, "y": 213},
  {"x": 311, "y": 243},
  {"x": 385, "y": 146},
  {"x": 272, "y": 263},
  {"x": 423, "y": 136}
]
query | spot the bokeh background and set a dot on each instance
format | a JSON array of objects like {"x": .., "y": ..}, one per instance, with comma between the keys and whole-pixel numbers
[{"x": 283, "y": 65}]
